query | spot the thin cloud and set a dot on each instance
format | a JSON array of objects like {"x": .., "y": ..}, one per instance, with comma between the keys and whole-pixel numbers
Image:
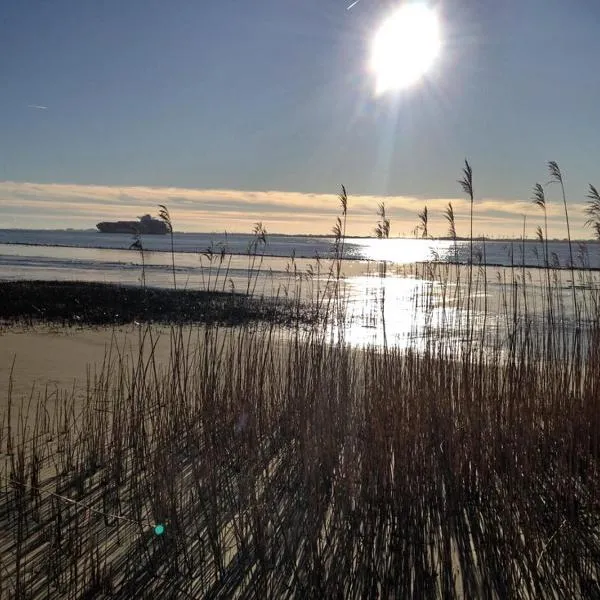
[
  {"x": 37, "y": 106},
  {"x": 61, "y": 205}
]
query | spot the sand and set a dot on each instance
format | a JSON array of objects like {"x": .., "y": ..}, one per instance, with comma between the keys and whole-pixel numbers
[
  {"x": 46, "y": 360},
  {"x": 54, "y": 356}
]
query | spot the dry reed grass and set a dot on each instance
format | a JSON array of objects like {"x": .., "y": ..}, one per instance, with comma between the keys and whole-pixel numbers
[{"x": 270, "y": 463}]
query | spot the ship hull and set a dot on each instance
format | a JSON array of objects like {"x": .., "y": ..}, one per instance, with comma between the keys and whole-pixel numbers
[{"x": 153, "y": 227}]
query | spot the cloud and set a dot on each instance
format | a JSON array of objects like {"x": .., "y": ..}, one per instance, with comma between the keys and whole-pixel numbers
[
  {"x": 61, "y": 205},
  {"x": 37, "y": 106}
]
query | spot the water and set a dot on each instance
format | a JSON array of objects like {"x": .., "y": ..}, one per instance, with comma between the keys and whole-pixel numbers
[
  {"x": 92, "y": 256},
  {"x": 501, "y": 253}
]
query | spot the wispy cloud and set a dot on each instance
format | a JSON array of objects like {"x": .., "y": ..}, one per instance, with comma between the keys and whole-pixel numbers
[
  {"x": 49, "y": 205},
  {"x": 37, "y": 106}
]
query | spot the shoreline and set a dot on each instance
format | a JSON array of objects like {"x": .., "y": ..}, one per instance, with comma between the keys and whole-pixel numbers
[
  {"x": 72, "y": 303},
  {"x": 321, "y": 236}
]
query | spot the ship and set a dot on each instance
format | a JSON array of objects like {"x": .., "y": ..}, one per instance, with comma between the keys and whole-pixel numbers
[{"x": 144, "y": 225}]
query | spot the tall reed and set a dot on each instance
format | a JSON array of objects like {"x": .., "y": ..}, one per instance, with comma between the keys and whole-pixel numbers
[
  {"x": 165, "y": 217},
  {"x": 264, "y": 462}
]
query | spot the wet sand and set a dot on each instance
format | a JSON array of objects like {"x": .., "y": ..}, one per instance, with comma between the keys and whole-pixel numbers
[{"x": 57, "y": 357}]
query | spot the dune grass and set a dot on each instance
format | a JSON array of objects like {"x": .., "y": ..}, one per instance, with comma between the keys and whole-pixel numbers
[
  {"x": 269, "y": 462},
  {"x": 281, "y": 464},
  {"x": 283, "y": 467}
]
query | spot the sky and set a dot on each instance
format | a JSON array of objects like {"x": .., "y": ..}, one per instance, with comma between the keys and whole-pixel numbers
[{"x": 236, "y": 112}]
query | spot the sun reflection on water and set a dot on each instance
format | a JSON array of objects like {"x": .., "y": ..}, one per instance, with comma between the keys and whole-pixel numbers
[
  {"x": 403, "y": 250},
  {"x": 402, "y": 311}
]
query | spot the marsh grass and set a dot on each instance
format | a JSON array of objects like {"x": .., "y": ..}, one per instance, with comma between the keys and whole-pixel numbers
[
  {"x": 286, "y": 463},
  {"x": 282, "y": 464},
  {"x": 165, "y": 217}
]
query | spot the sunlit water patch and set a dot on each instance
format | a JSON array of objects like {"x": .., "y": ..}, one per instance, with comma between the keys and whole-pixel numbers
[
  {"x": 402, "y": 250},
  {"x": 390, "y": 298},
  {"x": 386, "y": 310},
  {"x": 493, "y": 252}
]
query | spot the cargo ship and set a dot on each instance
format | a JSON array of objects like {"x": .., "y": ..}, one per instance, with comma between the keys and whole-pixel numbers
[{"x": 145, "y": 225}]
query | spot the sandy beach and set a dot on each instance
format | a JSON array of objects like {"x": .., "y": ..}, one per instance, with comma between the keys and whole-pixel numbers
[
  {"x": 60, "y": 357},
  {"x": 52, "y": 356}
]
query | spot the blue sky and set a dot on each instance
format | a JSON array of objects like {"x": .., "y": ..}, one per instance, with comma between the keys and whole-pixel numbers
[{"x": 271, "y": 96}]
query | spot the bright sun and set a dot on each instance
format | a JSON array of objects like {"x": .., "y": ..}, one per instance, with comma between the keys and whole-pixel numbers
[{"x": 405, "y": 47}]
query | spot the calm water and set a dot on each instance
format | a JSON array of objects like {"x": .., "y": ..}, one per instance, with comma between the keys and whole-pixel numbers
[
  {"x": 396, "y": 250},
  {"x": 92, "y": 256}
]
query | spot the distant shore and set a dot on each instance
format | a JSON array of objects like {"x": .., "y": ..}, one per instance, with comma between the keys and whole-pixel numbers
[{"x": 330, "y": 236}]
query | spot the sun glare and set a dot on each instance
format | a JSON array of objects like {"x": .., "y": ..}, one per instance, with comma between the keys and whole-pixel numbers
[{"x": 405, "y": 47}]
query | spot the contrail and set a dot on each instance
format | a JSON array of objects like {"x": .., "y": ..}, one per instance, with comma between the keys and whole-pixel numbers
[
  {"x": 37, "y": 106},
  {"x": 353, "y": 4}
]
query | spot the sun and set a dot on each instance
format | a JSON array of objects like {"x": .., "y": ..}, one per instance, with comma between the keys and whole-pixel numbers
[{"x": 405, "y": 47}]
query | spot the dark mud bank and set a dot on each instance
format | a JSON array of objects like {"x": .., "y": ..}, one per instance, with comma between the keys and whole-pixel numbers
[{"x": 73, "y": 302}]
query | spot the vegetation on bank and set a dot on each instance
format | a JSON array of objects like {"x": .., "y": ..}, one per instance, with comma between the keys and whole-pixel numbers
[{"x": 258, "y": 463}]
